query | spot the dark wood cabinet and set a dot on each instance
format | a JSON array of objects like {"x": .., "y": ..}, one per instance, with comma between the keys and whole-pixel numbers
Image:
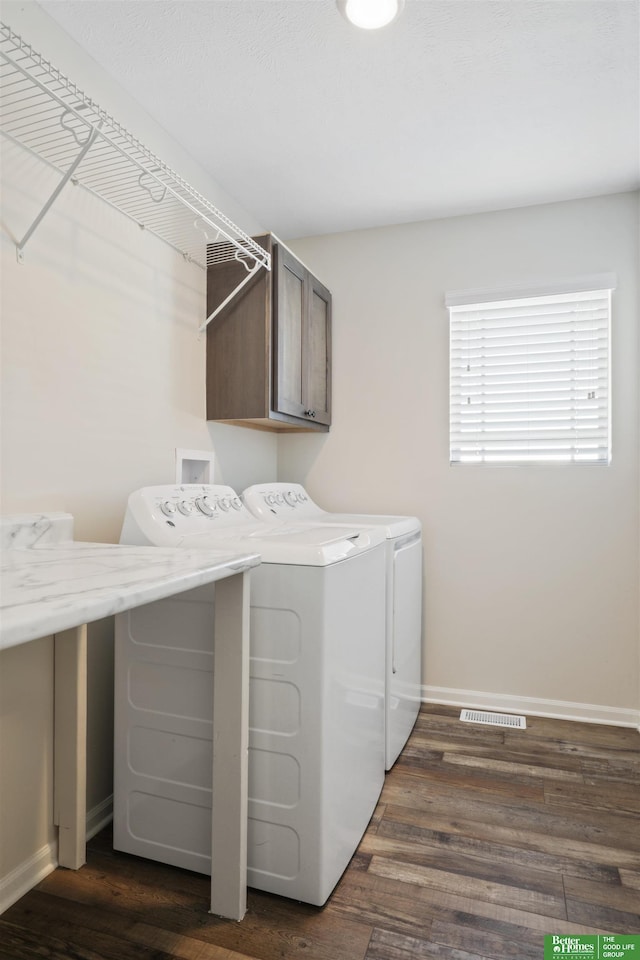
[{"x": 269, "y": 349}]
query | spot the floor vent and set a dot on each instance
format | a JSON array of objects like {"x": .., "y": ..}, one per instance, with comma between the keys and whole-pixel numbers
[{"x": 494, "y": 719}]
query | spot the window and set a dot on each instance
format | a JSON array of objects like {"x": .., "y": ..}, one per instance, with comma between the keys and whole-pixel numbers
[{"x": 529, "y": 375}]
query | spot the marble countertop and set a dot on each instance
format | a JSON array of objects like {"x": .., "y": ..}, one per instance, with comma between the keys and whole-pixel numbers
[
  {"x": 49, "y": 583},
  {"x": 35, "y": 529}
]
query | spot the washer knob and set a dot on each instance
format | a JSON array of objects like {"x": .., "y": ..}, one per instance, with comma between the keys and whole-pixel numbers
[
  {"x": 271, "y": 499},
  {"x": 206, "y": 506},
  {"x": 279, "y": 498},
  {"x": 302, "y": 497},
  {"x": 168, "y": 508},
  {"x": 236, "y": 503},
  {"x": 224, "y": 503},
  {"x": 186, "y": 507},
  {"x": 291, "y": 498}
]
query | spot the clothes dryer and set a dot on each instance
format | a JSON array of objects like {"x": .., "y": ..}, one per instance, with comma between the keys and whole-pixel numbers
[
  {"x": 286, "y": 502},
  {"x": 316, "y": 703}
]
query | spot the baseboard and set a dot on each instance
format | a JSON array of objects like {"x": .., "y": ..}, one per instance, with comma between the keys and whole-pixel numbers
[
  {"x": 99, "y": 816},
  {"x": 30, "y": 872},
  {"x": 25, "y": 876},
  {"x": 532, "y": 706}
]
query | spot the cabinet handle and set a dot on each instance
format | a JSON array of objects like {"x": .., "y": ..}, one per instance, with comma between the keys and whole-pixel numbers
[{"x": 309, "y": 413}]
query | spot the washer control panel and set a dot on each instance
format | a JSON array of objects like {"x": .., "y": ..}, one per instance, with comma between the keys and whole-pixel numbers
[
  {"x": 272, "y": 501},
  {"x": 189, "y": 508}
]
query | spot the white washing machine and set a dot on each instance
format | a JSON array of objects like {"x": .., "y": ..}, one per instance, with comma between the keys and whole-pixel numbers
[
  {"x": 286, "y": 502},
  {"x": 316, "y": 704}
]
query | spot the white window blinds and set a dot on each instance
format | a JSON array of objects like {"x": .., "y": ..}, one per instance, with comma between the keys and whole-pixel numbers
[{"x": 530, "y": 379}]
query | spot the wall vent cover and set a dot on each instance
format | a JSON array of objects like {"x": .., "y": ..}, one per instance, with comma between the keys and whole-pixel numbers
[{"x": 494, "y": 719}]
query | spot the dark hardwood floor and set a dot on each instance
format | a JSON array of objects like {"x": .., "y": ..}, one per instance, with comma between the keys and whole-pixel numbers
[{"x": 485, "y": 839}]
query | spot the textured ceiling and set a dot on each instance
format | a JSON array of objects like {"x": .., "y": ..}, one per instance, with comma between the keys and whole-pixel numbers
[{"x": 314, "y": 126}]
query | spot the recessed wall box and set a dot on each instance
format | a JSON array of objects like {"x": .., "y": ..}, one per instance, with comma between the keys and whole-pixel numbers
[{"x": 194, "y": 466}]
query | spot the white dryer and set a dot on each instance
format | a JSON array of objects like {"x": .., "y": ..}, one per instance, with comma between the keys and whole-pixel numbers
[
  {"x": 286, "y": 502},
  {"x": 316, "y": 705}
]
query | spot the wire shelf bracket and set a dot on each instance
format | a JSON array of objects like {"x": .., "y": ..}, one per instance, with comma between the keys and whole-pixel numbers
[
  {"x": 45, "y": 113},
  {"x": 58, "y": 190}
]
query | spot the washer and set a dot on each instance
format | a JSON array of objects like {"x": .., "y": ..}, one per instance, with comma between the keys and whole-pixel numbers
[
  {"x": 284, "y": 502},
  {"x": 316, "y": 704}
]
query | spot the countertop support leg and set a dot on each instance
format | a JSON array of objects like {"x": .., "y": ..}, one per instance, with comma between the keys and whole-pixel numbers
[
  {"x": 70, "y": 745},
  {"x": 230, "y": 748}
]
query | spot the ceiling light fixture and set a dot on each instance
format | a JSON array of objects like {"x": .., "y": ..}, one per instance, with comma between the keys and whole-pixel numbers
[{"x": 370, "y": 14}]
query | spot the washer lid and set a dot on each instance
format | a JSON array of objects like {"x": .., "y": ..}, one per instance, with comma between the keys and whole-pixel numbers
[
  {"x": 393, "y": 526},
  {"x": 302, "y": 545}
]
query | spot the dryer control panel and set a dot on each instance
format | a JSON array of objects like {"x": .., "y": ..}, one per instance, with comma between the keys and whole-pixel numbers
[{"x": 270, "y": 501}]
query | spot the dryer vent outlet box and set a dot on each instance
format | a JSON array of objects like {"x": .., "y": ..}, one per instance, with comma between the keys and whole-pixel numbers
[{"x": 194, "y": 466}]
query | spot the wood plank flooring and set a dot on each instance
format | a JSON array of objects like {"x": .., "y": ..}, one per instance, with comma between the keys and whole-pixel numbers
[{"x": 484, "y": 840}]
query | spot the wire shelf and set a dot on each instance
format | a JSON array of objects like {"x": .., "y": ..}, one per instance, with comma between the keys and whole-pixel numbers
[{"x": 46, "y": 113}]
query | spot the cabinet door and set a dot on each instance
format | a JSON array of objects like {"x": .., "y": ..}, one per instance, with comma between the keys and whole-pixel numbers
[
  {"x": 316, "y": 352},
  {"x": 302, "y": 335},
  {"x": 288, "y": 321}
]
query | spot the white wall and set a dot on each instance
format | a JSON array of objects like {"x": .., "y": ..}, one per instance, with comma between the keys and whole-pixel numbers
[
  {"x": 531, "y": 573},
  {"x": 103, "y": 376}
]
